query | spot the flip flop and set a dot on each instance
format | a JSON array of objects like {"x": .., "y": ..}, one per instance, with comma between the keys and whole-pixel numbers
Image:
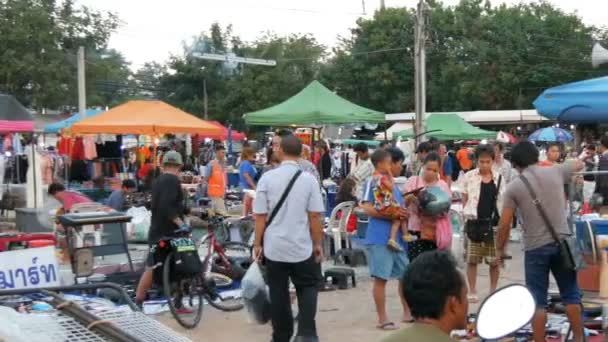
[
  {"x": 388, "y": 326},
  {"x": 408, "y": 321}
]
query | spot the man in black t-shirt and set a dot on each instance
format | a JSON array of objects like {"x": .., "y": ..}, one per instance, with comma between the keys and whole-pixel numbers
[
  {"x": 483, "y": 189},
  {"x": 167, "y": 214}
]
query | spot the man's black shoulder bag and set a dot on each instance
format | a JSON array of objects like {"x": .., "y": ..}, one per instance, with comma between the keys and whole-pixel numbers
[
  {"x": 482, "y": 230},
  {"x": 570, "y": 253}
]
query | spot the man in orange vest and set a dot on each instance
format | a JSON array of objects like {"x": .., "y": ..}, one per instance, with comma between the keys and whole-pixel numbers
[{"x": 217, "y": 180}]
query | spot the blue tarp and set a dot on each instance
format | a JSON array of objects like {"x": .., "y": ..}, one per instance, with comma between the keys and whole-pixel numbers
[
  {"x": 56, "y": 127},
  {"x": 578, "y": 102}
]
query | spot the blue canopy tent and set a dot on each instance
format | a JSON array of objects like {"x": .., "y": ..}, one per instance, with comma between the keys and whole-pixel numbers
[
  {"x": 56, "y": 127},
  {"x": 578, "y": 102}
]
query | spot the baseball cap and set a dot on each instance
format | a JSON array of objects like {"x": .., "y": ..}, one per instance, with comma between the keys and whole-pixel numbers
[{"x": 173, "y": 158}]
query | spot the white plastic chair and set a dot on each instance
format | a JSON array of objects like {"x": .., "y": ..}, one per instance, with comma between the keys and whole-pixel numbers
[{"x": 337, "y": 226}]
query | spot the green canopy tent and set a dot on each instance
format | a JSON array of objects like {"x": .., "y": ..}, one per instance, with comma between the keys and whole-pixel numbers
[
  {"x": 370, "y": 143},
  {"x": 313, "y": 105},
  {"x": 449, "y": 127}
]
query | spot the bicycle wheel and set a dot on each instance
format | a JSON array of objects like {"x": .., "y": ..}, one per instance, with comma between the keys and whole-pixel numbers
[
  {"x": 184, "y": 296},
  {"x": 226, "y": 301}
]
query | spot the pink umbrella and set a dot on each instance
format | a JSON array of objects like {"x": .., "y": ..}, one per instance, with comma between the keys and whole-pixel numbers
[{"x": 506, "y": 138}]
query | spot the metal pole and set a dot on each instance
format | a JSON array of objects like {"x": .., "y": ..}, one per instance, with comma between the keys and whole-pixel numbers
[
  {"x": 205, "y": 115},
  {"x": 82, "y": 96},
  {"x": 382, "y": 5},
  {"x": 420, "y": 66}
]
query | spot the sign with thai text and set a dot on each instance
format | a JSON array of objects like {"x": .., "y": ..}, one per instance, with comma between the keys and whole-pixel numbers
[{"x": 29, "y": 268}]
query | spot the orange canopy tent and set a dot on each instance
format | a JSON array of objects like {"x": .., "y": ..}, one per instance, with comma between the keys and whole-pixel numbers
[{"x": 145, "y": 118}]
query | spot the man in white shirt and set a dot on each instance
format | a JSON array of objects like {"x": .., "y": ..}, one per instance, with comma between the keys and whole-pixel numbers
[
  {"x": 364, "y": 169},
  {"x": 291, "y": 242}
]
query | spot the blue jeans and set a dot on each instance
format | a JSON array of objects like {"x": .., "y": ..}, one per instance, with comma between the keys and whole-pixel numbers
[{"x": 538, "y": 263}]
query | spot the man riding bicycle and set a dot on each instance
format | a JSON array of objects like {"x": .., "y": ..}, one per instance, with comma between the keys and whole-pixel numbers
[{"x": 167, "y": 215}]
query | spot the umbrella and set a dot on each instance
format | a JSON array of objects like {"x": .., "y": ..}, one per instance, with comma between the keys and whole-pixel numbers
[
  {"x": 506, "y": 138},
  {"x": 551, "y": 134},
  {"x": 584, "y": 101}
]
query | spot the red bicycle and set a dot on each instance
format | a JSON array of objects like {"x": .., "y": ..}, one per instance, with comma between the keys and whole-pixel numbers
[{"x": 223, "y": 263}]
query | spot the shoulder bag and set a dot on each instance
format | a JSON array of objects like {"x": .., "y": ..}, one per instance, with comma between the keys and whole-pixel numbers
[
  {"x": 569, "y": 251},
  {"x": 482, "y": 230}
]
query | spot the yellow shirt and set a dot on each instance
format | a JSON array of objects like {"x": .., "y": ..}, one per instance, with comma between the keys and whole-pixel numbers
[{"x": 418, "y": 332}]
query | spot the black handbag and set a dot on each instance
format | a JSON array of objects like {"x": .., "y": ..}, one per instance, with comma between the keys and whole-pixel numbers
[
  {"x": 569, "y": 250},
  {"x": 482, "y": 230}
]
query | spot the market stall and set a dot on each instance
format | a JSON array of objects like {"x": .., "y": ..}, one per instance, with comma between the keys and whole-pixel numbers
[
  {"x": 56, "y": 127},
  {"x": 313, "y": 105},
  {"x": 449, "y": 127},
  {"x": 153, "y": 118},
  {"x": 13, "y": 116}
]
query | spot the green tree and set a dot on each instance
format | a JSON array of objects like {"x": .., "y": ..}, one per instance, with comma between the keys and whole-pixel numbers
[
  {"x": 39, "y": 40},
  {"x": 234, "y": 89},
  {"x": 478, "y": 56}
]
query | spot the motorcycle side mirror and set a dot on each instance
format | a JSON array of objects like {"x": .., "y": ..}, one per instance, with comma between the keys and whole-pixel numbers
[{"x": 504, "y": 312}]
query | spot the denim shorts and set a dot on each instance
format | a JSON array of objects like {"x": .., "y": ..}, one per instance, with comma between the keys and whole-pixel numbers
[
  {"x": 386, "y": 264},
  {"x": 538, "y": 263}
]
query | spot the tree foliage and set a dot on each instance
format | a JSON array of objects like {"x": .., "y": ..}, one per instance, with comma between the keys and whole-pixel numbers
[
  {"x": 39, "y": 40},
  {"x": 478, "y": 56},
  {"x": 234, "y": 89}
]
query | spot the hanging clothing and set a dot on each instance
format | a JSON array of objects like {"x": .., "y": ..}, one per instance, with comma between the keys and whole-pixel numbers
[
  {"x": 64, "y": 145},
  {"x": 143, "y": 154},
  {"x": 2, "y": 169},
  {"x": 78, "y": 171},
  {"x": 77, "y": 152},
  {"x": 90, "y": 150},
  {"x": 46, "y": 169},
  {"x": 34, "y": 195},
  {"x": 8, "y": 141},
  {"x": 17, "y": 147}
]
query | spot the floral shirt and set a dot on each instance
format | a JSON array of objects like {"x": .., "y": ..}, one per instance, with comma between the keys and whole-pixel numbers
[
  {"x": 471, "y": 186},
  {"x": 505, "y": 169}
]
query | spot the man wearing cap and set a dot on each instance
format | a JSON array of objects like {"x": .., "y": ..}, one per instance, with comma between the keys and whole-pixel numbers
[
  {"x": 167, "y": 214},
  {"x": 216, "y": 181}
]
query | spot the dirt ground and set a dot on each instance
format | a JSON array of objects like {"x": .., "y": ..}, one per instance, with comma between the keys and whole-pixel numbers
[{"x": 347, "y": 315}]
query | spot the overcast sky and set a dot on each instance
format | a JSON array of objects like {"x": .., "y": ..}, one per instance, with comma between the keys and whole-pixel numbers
[{"x": 153, "y": 29}]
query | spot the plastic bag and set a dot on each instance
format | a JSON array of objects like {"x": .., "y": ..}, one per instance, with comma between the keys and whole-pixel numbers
[
  {"x": 141, "y": 220},
  {"x": 255, "y": 294}
]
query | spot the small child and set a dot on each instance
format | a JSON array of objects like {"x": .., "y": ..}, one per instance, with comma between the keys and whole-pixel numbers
[{"x": 384, "y": 200}]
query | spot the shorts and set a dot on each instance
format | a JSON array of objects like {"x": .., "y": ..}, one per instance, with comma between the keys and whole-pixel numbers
[
  {"x": 218, "y": 205},
  {"x": 386, "y": 264},
  {"x": 415, "y": 248},
  {"x": 538, "y": 262},
  {"x": 479, "y": 252}
]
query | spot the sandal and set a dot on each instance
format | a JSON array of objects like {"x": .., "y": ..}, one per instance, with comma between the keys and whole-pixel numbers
[
  {"x": 393, "y": 245},
  {"x": 387, "y": 326}
]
